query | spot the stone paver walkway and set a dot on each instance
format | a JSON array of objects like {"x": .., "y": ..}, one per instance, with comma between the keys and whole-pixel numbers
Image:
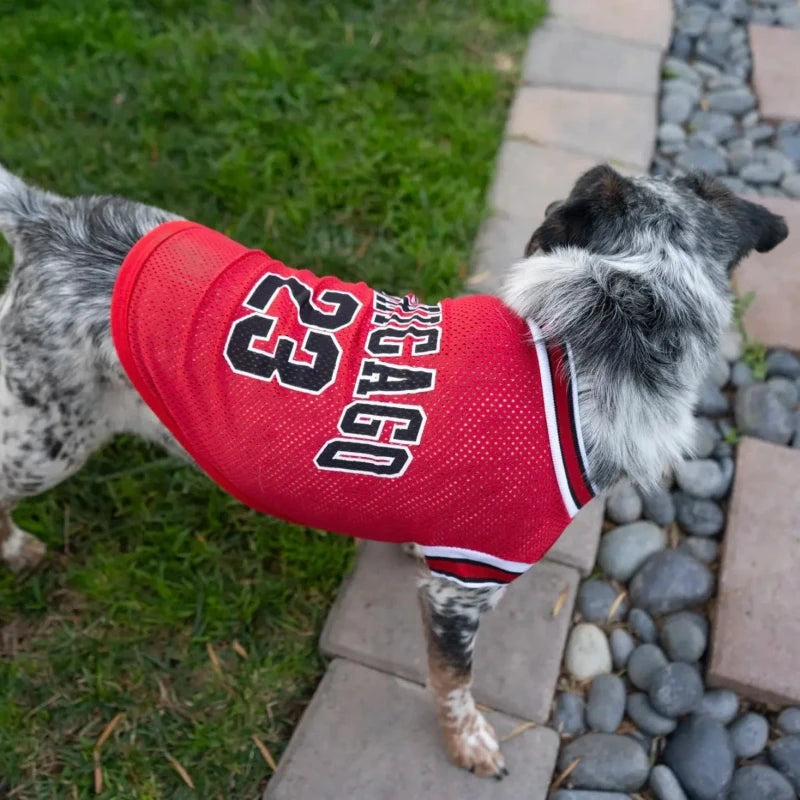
[
  {"x": 756, "y": 645},
  {"x": 591, "y": 82},
  {"x": 376, "y": 622},
  {"x": 371, "y": 736},
  {"x": 776, "y": 71}
]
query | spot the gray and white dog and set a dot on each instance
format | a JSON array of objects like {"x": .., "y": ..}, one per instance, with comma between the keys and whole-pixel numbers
[{"x": 632, "y": 273}]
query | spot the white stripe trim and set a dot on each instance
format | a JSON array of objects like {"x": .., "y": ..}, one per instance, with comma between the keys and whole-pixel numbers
[
  {"x": 550, "y": 417},
  {"x": 441, "y": 551},
  {"x": 577, "y": 415}
]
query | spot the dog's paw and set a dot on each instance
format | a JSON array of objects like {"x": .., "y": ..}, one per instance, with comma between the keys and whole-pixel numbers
[
  {"x": 472, "y": 744},
  {"x": 22, "y": 550}
]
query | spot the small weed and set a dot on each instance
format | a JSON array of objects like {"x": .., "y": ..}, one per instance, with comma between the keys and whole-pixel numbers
[
  {"x": 755, "y": 356},
  {"x": 732, "y": 437},
  {"x": 740, "y": 306}
]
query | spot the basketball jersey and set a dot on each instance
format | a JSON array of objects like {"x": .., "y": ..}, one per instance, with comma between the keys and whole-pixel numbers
[{"x": 335, "y": 406}]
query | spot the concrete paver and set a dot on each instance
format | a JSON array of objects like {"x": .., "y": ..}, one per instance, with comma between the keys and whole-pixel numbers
[
  {"x": 376, "y": 621},
  {"x": 371, "y": 736},
  {"x": 577, "y": 546},
  {"x": 501, "y": 242},
  {"x": 528, "y": 177},
  {"x": 645, "y": 22},
  {"x": 756, "y": 631},
  {"x": 773, "y": 317},
  {"x": 776, "y": 67},
  {"x": 562, "y": 55},
  {"x": 611, "y": 126}
]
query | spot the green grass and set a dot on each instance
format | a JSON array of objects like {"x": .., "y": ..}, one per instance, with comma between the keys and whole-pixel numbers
[{"x": 351, "y": 137}]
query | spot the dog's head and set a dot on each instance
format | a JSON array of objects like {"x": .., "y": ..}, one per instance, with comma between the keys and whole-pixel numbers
[
  {"x": 633, "y": 273},
  {"x": 608, "y": 214}
]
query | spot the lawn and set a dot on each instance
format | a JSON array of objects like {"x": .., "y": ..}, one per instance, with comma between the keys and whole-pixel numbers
[{"x": 348, "y": 137}]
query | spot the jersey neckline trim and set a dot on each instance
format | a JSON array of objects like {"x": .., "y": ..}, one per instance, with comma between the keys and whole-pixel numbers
[{"x": 568, "y": 453}]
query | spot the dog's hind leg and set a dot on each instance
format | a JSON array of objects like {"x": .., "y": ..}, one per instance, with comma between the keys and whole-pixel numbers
[
  {"x": 18, "y": 548},
  {"x": 46, "y": 434},
  {"x": 37, "y": 451},
  {"x": 451, "y": 614}
]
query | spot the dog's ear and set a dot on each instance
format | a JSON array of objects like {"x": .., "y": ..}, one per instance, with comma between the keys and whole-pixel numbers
[
  {"x": 759, "y": 228},
  {"x": 598, "y": 194},
  {"x": 567, "y": 225},
  {"x": 769, "y": 229}
]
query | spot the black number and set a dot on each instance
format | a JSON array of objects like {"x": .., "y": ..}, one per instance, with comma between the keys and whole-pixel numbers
[
  {"x": 345, "y": 455},
  {"x": 270, "y": 284},
  {"x": 389, "y": 341},
  {"x": 281, "y": 364},
  {"x": 367, "y": 419},
  {"x": 376, "y": 377}
]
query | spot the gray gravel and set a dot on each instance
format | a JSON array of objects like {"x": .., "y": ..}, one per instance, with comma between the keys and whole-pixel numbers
[
  {"x": 644, "y": 662},
  {"x": 659, "y": 506},
  {"x": 671, "y": 581},
  {"x": 701, "y": 548},
  {"x": 622, "y": 645},
  {"x": 569, "y": 714},
  {"x": 623, "y": 503},
  {"x": 786, "y": 390},
  {"x": 789, "y": 720},
  {"x": 701, "y": 756},
  {"x": 698, "y": 516},
  {"x": 742, "y": 374},
  {"x": 606, "y": 761},
  {"x": 675, "y": 689},
  {"x": 749, "y": 734},
  {"x": 707, "y": 98},
  {"x": 706, "y": 438},
  {"x": 703, "y": 477},
  {"x": 791, "y": 184},
  {"x": 642, "y": 626},
  {"x": 605, "y": 705},
  {"x": 758, "y": 782},
  {"x": 711, "y": 402},
  {"x": 596, "y": 598},
  {"x": 624, "y": 549},
  {"x": 665, "y": 785},
  {"x": 587, "y": 653},
  {"x": 719, "y": 704},
  {"x": 760, "y": 412},
  {"x": 646, "y": 718},
  {"x": 783, "y": 363},
  {"x": 684, "y": 636},
  {"x": 784, "y": 755}
]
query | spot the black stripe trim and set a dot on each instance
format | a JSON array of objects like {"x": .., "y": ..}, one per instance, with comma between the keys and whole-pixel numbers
[
  {"x": 461, "y": 560},
  {"x": 467, "y": 580}
]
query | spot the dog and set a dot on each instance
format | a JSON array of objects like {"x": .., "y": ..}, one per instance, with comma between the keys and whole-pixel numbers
[{"x": 617, "y": 309}]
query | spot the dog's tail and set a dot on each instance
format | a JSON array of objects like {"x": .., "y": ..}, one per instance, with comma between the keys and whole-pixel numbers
[{"x": 18, "y": 201}]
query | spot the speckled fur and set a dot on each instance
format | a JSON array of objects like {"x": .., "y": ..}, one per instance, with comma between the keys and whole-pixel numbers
[{"x": 623, "y": 270}]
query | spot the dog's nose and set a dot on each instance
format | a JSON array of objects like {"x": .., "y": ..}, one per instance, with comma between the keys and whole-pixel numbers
[{"x": 552, "y": 207}]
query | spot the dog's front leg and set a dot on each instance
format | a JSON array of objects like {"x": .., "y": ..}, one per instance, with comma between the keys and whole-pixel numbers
[{"x": 451, "y": 614}]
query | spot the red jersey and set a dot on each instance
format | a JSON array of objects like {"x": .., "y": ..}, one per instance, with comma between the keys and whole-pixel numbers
[{"x": 335, "y": 406}]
